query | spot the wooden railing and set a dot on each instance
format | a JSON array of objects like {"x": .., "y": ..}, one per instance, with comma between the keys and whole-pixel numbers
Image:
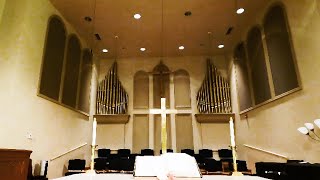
[
  {"x": 73, "y": 149},
  {"x": 266, "y": 151}
]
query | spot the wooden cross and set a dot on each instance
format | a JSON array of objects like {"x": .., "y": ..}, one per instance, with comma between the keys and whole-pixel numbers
[{"x": 163, "y": 111}]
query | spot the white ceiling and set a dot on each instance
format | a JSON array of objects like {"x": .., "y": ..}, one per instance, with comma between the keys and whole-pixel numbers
[{"x": 115, "y": 17}]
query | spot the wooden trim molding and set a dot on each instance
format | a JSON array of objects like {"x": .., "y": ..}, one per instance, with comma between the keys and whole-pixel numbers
[
  {"x": 112, "y": 118},
  {"x": 214, "y": 118}
]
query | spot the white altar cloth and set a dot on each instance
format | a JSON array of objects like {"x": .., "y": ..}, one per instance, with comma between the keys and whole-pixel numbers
[{"x": 130, "y": 177}]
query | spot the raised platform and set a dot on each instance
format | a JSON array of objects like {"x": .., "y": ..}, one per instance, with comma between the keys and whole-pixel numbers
[{"x": 130, "y": 177}]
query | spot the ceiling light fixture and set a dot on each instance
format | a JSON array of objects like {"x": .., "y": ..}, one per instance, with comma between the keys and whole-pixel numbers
[
  {"x": 88, "y": 18},
  {"x": 181, "y": 47},
  {"x": 220, "y": 46},
  {"x": 104, "y": 50},
  {"x": 142, "y": 49},
  {"x": 240, "y": 10},
  {"x": 137, "y": 16},
  {"x": 308, "y": 129}
]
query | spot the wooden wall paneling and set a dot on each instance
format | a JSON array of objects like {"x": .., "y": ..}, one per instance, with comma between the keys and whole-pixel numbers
[
  {"x": 140, "y": 139},
  {"x": 182, "y": 89},
  {"x": 141, "y": 90},
  {"x": 184, "y": 132}
]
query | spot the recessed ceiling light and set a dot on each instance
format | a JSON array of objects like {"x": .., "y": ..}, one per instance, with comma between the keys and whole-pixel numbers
[
  {"x": 105, "y": 50},
  {"x": 221, "y": 46},
  {"x": 188, "y": 13},
  {"x": 88, "y": 18},
  {"x": 240, "y": 11},
  {"x": 137, "y": 16},
  {"x": 181, "y": 47},
  {"x": 142, "y": 49}
]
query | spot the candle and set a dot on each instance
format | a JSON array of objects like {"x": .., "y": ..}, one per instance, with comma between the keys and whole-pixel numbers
[
  {"x": 94, "y": 132},
  {"x": 232, "y": 132}
]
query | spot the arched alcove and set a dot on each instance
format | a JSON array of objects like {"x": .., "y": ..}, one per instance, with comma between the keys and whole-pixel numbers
[
  {"x": 182, "y": 89},
  {"x": 72, "y": 66},
  {"x": 257, "y": 61},
  {"x": 52, "y": 64},
  {"x": 141, "y": 90},
  {"x": 85, "y": 81},
  {"x": 280, "y": 53},
  {"x": 243, "y": 81}
]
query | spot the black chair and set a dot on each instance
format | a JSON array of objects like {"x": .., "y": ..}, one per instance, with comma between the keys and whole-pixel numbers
[
  {"x": 271, "y": 170},
  {"x": 188, "y": 151},
  {"x": 103, "y": 153},
  {"x": 124, "y": 152},
  {"x": 147, "y": 152},
  {"x": 206, "y": 153},
  {"x": 76, "y": 166},
  {"x": 212, "y": 165},
  {"x": 303, "y": 171},
  {"x": 121, "y": 164},
  {"x": 168, "y": 151},
  {"x": 225, "y": 153},
  {"x": 101, "y": 164},
  {"x": 242, "y": 165}
]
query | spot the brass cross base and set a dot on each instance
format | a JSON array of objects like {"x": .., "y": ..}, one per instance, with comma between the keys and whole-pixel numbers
[
  {"x": 91, "y": 172},
  {"x": 237, "y": 173}
]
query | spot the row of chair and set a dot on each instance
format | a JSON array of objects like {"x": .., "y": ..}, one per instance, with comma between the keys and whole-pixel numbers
[
  {"x": 124, "y": 160},
  {"x": 223, "y": 153}
]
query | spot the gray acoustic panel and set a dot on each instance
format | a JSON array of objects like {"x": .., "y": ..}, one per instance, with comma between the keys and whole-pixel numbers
[
  {"x": 140, "y": 139},
  {"x": 243, "y": 82},
  {"x": 53, "y": 59},
  {"x": 70, "y": 85},
  {"x": 282, "y": 65},
  {"x": 257, "y": 61},
  {"x": 85, "y": 81}
]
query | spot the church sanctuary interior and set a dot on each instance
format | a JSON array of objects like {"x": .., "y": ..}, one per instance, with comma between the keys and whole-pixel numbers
[{"x": 90, "y": 86}]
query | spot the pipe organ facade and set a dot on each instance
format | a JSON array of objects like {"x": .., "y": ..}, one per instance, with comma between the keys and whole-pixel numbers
[
  {"x": 214, "y": 93},
  {"x": 111, "y": 96}
]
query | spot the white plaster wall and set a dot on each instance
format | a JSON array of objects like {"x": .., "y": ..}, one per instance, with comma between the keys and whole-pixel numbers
[
  {"x": 274, "y": 126},
  {"x": 54, "y": 129}
]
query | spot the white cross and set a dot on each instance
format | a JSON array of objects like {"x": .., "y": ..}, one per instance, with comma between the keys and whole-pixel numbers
[{"x": 163, "y": 111}]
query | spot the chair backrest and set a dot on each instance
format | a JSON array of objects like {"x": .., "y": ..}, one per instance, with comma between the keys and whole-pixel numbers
[
  {"x": 100, "y": 163},
  {"x": 77, "y": 164},
  {"x": 225, "y": 153},
  {"x": 242, "y": 165},
  {"x": 104, "y": 152},
  {"x": 206, "y": 153},
  {"x": 124, "y": 152},
  {"x": 188, "y": 151},
  {"x": 147, "y": 152},
  {"x": 168, "y": 151}
]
